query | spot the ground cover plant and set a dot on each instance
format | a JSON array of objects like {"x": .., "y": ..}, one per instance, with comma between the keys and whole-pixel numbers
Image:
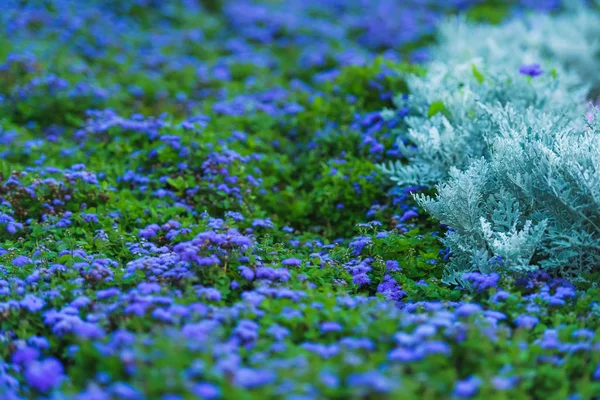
[{"x": 196, "y": 203}]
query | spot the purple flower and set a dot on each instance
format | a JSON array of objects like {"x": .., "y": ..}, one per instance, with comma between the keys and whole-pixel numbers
[
  {"x": 246, "y": 330},
  {"x": 467, "y": 388},
  {"x": 556, "y": 302},
  {"x": 263, "y": 223},
  {"x": 392, "y": 266},
  {"x": 583, "y": 333},
  {"x": 331, "y": 327},
  {"x": 330, "y": 380},
  {"x": 104, "y": 294},
  {"x": 278, "y": 332},
  {"x": 434, "y": 347},
  {"x": 424, "y": 331},
  {"x": 500, "y": 296},
  {"x": 408, "y": 215},
  {"x": 44, "y": 375},
  {"x": 361, "y": 279},
  {"x": 357, "y": 343},
  {"x": 170, "y": 396},
  {"x": 124, "y": 391},
  {"x": 149, "y": 231},
  {"x": 358, "y": 243},
  {"x": 148, "y": 287},
  {"x": 291, "y": 262},
  {"x": 19, "y": 261},
  {"x": 25, "y": 355},
  {"x": 390, "y": 289},
  {"x": 503, "y": 383},
  {"x": 32, "y": 303},
  {"x": 597, "y": 372},
  {"x": 482, "y": 281},
  {"x": 246, "y": 272},
  {"x": 206, "y": 390},
  {"x": 39, "y": 342},
  {"x": 211, "y": 294},
  {"x": 467, "y": 309},
  {"x": 532, "y": 70},
  {"x": 526, "y": 321},
  {"x": 497, "y": 315},
  {"x": 322, "y": 350},
  {"x": 403, "y": 355},
  {"x": 251, "y": 378},
  {"x": 550, "y": 339},
  {"x": 88, "y": 330},
  {"x": 373, "y": 380}
]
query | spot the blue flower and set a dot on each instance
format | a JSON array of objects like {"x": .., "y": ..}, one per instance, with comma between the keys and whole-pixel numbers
[
  {"x": 467, "y": 387},
  {"x": 251, "y": 378},
  {"x": 292, "y": 262},
  {"x": 526, "y": 321},
  {"x": 503, "y": 383},
  {"x": 44, "y": 375},
  {"x": 532, "y": 70},
  {"x": 331, "y": 327},
  {"x": 206, "y": 390}
]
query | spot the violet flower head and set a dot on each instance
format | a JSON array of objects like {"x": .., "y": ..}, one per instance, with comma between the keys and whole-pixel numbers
[
  {"x": 467, "y": 387},
  {"x": 330, "y": 327},
  {"x": 32, "y": 303},
  {"x": 532, "y": 70},
  {"x": 25, "y": 355},
  {"x": 291, "y": 262},
  {"x": 250, "y": 378},
  {"x": 206, "y": 390},
  {"x": 526, "y": 321},
  {"x": 44, "y": 375},
  {"x": 503, "y": 383},
  {"x": 19, "y": 261}
]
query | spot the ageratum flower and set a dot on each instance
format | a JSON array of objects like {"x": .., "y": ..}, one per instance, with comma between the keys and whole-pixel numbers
[
  {"x": 45, "y": 374},
  {"x": 467, "y": 309},
  {"x": 20, "y": 261},
  {"x": 206, "y": 390},
  {"x": 504, "y": 383},
  {"x": 467, "y": 388},
  {"x": 331, "y": 327},
  {"x": 532, "y": 70},
  {"x": 390, "y": 289},
  {"x": 250, "y": 378},
  {"x": 526, "y": 321},
  {"x": 403, "y": 355},
  {"x": 32, "y": 303},
  {"x": 374, "y": 380},
  {"x": 25, "y": 355},
  {"x": 292, "y": 262}
]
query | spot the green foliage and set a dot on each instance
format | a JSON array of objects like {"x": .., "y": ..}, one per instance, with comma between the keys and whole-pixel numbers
[
  {"x": 478, "y": 74},
  {"x": 436, "y": 107},
  {"x": 358, "y": 81}
]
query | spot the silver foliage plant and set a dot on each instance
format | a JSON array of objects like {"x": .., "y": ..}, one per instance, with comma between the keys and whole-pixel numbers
[
  {"x": 478, "y": 63},
  {"x": 519, "y": 166},
  {"x": 535, "y": 202},
  {"x": 449, "y": 115},
  {"x": 568, "y": 42}
]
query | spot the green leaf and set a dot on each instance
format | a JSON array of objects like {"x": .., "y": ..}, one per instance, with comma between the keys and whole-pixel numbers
[
  {"x": 436, "y": 107},
  {"x": 478, "y": 75},
  {"x": 178, "y": 183}
]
